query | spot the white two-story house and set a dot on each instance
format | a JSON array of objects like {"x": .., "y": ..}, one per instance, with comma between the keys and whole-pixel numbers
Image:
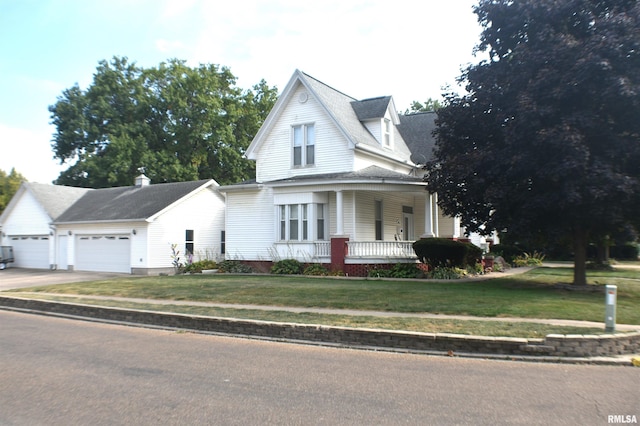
[{"x": 338, "y": 182}]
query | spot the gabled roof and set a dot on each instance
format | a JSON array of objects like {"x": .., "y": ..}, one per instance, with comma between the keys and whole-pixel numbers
[
  {"x": 129, "y": 203},
  {"x": 368, "y": 109},
  {"x": 54, "y": 199},
  {"x": 417, "y": 132},
  {"x": 340, "y": 108}
]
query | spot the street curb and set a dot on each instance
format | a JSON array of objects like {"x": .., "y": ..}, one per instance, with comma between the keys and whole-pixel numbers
[{"x": 438, "y": 344}]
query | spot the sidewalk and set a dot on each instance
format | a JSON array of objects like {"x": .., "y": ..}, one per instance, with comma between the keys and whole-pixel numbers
[{"x": 329, "y": 311}]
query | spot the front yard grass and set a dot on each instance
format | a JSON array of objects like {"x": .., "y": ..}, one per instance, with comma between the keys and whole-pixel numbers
[
  {"x": 529, "y": 295},
  {"x": 425, "y": 325}
]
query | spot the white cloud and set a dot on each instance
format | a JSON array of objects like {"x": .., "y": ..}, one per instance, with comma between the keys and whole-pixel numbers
[{"x": 409, "y": 49}]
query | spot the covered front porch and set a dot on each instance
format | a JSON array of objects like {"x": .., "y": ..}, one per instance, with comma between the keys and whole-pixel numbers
[{"x": 364, "y": 224}]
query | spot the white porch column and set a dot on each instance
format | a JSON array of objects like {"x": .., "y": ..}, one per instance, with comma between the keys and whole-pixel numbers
[
  {"x": 436, "y": 229},
  {"x": 428, "y": 217},
  {"x": 339, "y": 214},
  {"x": 456, "y": 227}
]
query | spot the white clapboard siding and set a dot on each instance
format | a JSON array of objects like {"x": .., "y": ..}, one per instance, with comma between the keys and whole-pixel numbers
[
  {"x": 250, "y": 224},
  {"x": 332, "y": 153},
  {"x": 28, "y": 217},
  {"x": 392, "y": 203},
  {"x": 203, "y": 213}
]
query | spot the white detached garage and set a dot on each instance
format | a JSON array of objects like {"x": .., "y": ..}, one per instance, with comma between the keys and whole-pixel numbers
[
  {"x": 131, "y": 229},
  {"x": 124, "y": 229}
]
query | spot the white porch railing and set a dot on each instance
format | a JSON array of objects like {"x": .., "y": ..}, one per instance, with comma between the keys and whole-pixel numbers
[
  {"x": 314, "y": 250},
  {"x": 380, "y": 249},
  {"x": 322, "y": 248}
]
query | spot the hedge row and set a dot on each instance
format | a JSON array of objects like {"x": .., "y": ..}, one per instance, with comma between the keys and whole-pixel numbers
[{"x": 442, "y": 252}]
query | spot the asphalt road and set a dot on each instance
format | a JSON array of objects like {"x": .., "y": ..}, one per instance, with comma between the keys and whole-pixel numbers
[{"x": 57, "y": 371}]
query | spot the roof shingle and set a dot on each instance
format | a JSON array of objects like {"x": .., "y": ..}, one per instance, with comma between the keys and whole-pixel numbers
[
  {"x": 127, "y": 203},
  {"x": 55, "y": 199}
]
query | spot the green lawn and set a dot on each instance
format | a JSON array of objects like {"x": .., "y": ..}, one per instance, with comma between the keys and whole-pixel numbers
[{"x": 530, "y": 295}]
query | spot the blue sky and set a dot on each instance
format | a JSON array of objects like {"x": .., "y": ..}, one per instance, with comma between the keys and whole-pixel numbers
[{"x": 408, "y": 49}]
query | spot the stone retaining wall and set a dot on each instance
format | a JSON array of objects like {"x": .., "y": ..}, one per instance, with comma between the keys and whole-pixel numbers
[{"x": 552, "y": 345}]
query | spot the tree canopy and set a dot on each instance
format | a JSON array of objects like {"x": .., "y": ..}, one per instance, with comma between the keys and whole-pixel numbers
[
  {"x": 546, "y": 142},
  {"x": 429, "y": 105},
  {"x": 174, "y": 122},
  {"x": 9, "y": 184}
]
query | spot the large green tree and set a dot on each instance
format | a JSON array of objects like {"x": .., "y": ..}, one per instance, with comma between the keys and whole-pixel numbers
[
  {"x": 9, "y": 184},
  {"x": 176, "y": 122},
  {"x": 546, "y": 142}
]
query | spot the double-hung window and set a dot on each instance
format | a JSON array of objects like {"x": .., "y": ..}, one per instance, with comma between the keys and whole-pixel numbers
[
  {"x": 295, "y": 222},
  {"x": 378, "y": 220},
  {"x": 320, "y": 222},
  {"x": 304, "y": 142},
  {"x": 305, "y": 222},
  {"x": 188, "y": 241},
  {"x": 387, "y": 133}
]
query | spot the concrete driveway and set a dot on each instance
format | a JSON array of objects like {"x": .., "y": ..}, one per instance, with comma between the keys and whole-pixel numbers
[{"x": 12, "y": 278}]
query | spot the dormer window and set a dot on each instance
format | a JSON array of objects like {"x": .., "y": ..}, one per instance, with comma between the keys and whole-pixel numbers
[
  {"x": 304, "y": 141},
  {"x": 386, "y": 133}
]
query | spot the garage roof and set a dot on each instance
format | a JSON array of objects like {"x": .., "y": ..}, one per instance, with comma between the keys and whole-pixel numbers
[
  {"x": 129, "y": 202},
  {"x": 54, "y": 199}
]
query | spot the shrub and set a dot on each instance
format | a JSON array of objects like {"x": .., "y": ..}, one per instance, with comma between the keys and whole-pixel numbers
[
  {"x": 399, "y": 270},
  {"x": 508, "y": 252},
  {"x": 446, "y": 273},
  {"x": 379, "y": 273},
  {"x": 316, "y": 269},
  {"x": 442, "y": 252},
  {"x": 197, "y": 267},
  {"x": 476, "y": 269},
  {"x": 533, "y": 259},
  {"x": 287, "y": 267},
  {"x": 405, "y": 270},
  {"x": 624, "y": 252},
  {"x": 234, "y": 267}
]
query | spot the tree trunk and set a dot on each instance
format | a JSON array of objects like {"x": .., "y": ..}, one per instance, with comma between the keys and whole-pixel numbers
[{"x": 580, "y": 238}]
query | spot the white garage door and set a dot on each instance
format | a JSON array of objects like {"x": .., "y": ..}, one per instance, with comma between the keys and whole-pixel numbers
[
  {"x": 30, "y": 251},
  {"x": 103, "y": 253}
]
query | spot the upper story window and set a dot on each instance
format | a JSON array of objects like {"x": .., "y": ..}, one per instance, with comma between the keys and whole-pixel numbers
[
  {"x": 386, "y": 133},
  {"x": 304, "y": 141}
]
